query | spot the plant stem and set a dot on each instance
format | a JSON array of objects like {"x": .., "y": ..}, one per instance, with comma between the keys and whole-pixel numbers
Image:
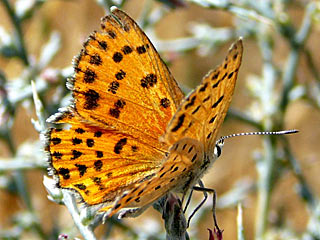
[
  {"x": 265, "y": 183},
  {"x": 70, "y": 202},
  {"x": 297, "y": 44},
  {"x": 18, "y": 33}
]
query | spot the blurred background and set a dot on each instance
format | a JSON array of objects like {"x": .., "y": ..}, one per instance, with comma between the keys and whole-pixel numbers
[{"x": 276, "y": 179}]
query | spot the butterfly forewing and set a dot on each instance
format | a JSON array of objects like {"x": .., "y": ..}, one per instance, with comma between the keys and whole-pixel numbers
[
  {"x": 201, "y": 114},
  {"x": 119, "y": 73}
]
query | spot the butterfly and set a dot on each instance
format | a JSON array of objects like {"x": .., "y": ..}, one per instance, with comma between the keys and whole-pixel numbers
[{"x": 133, "y": 136}]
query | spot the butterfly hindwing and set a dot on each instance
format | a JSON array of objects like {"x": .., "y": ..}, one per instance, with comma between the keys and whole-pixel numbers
[{"x": 177, "y": 173}]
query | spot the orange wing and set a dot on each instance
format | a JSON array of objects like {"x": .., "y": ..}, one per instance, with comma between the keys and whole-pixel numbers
[
  {"x": 124, "y": 96},
  {"x": 96, "y": 162},
  {"x": 122, "y": 83},
  {"x": 201, "y": 114}
]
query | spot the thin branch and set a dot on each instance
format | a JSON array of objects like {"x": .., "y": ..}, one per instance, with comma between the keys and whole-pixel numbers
[
  {"x": 70, "y": 202},
  {"x": 18, "y": 32},
  {"x": 297, "y": 43},
  {"x": 312, "y": 66},
  {"x": 240, "y": 228}
]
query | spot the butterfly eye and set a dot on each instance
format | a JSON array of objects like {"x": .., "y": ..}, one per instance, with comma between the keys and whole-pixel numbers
[{"x": 218, "y": 148}]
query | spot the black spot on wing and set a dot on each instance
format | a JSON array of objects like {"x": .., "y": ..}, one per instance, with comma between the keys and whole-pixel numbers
[
  {"x": 103, "y": 45},
  {"x": 81, "y": 186},
  {"x": 111, "y": 34},
  {"x": 216, "y": 75},
  {"x": 96, "y": 180},
  {"x": 81, "y": 168},
  {"x": 217, "y": 102},
  {"x": 148, "y": 81},
  {"x": 216, "y": 84},
  {"x": 57, "y": 155},
  {"x": 119, "y": 145},
  {"x": 179, "y": 124},
  {"x": 127, "y": 50},
  {"x": 95, "y": 59},
  {"x": 113, "y": 87},
  {"x": 114, "y": 112},
  {"x": 117, "y": 57},
  {"x": 203, "y": 88},
  {"x": 141, "y": 49},
  {"x": 206, "y": 99},
  {"x": 196, "y": 110},
  {"x": 120, "y": 103},
  {"x": 190, "y": 102},
  {"x": 90, "y": 142},
  {"x": 230, "y": 75},
  {"x": 80, "y": 131},
  {"x": 89, "y": 76},
  {"x": 99, "y": 154},
  {"x": 209, "y": 135},
  {"x": 98, "y": 165},
  {"x": 76, "y": 141},
  {"x": 165, "y": 102},
  {"x": 76, "y": 154},
  {"x": 134, "y": 148},
  {"x": 212, "y": 119},
  {"x": 120, "y": 75},
  {"x": 91, "y": 99},
  {"x": 175, "y": 169},
  {"x": 55, "y": 141},
  {"x": 224, "y": 76},
  {"x": 98, "y": 134},
  {"x": 64, "y": 172},
  {"x": 235, "y": 56}
]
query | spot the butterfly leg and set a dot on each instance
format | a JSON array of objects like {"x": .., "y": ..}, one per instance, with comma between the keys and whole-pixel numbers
[
  {"x": 188, "y": 200},
  {"x": 205, "y": 193},
  {"x": 201, "y": 203}
]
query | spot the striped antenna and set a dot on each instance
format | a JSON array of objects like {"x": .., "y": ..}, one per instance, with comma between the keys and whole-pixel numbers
[{"x": 258, "y": 133}]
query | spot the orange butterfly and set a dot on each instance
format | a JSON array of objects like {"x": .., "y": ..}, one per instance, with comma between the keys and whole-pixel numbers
[{"x": 134, "y": 137}]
